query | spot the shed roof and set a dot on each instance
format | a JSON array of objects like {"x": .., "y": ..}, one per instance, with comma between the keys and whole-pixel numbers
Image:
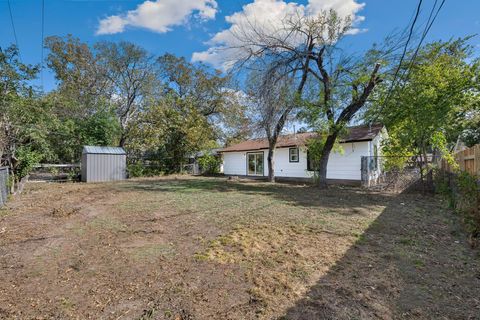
[
  {"x": 103, "y": 150},
  {"x": 354, "y": 134}
]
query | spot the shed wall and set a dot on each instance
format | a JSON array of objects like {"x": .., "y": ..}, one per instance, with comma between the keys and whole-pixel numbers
[{"x": 104, "y": 167}]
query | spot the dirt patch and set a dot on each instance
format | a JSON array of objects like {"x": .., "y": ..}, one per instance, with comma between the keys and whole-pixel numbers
[{"x": 205, "y": 248}]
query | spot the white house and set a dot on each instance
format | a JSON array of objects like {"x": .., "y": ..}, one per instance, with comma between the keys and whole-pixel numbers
[{"x": 249, "y": 158}]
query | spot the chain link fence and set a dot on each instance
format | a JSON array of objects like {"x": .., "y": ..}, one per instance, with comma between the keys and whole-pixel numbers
[
  {"x": 4, "y": 178},
  {"x": 398, "y": 173}
]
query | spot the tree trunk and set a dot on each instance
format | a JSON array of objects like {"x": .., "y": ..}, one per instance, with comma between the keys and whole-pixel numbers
[
  {"x": 271, "y": 163},
  {"x": 123, "y": 138},
  {"x": 322, "y": 169}
]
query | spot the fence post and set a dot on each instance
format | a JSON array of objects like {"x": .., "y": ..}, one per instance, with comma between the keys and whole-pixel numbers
[
  {"x": 3, "y": 185},
  {"x": 364, "y": 171}
]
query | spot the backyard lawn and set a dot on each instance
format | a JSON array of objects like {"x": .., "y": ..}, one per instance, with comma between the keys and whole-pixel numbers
[{"x": 208, "y": 248}]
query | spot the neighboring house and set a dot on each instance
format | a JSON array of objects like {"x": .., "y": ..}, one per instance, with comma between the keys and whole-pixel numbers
[{"x": 249, "y": 158}]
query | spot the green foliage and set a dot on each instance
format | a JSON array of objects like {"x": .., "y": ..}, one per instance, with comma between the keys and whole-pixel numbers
[
  {"x": 423, "y": 111},
  {"x": 140, "y": 169},
  {"x": 463, "y": 193},
  {"x": 27, "y": 159},
  {"x": 468, "y": 201},
  {"x": 170, "y": 132},
  {"x": 209, "y": 164},
  {"x": 315, "y": 146},
  {"x": 136, "y": 170}
]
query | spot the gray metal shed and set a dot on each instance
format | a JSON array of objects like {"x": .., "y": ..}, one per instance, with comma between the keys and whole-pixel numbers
[{"x": 101, "y": 164}]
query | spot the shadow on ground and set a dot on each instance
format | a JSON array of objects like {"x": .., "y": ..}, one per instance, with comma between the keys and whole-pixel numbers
[{"x": 413, "y": 262}]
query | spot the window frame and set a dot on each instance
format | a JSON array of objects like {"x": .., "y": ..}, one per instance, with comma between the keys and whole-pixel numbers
[{"x": 290, "y": 155}]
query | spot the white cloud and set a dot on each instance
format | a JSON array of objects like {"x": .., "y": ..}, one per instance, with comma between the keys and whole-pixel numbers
[
  {"x": 159, "y": 16},
  {"x": 268, "y": 15}
]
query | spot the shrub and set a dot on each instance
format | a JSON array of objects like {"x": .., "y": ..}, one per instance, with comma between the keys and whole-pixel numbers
[
  {"x": 139, "y": 169},
  {"x": 209, "y": 164},
  {"x": 463, "y": 193},
  {"x": 468, "y": 201},
  {"x": 135, "y": 169}
]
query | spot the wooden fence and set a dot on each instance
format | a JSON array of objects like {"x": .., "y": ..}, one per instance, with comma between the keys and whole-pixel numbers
[{"x": 468, "y": 160}]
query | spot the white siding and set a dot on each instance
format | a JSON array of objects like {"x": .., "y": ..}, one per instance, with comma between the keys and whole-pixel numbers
[
  {"x": 340, "y": 166},
  {"x": 348, "y": 165},
  {"x": 285, "y": 168},
  {"x": 234, "y": 163}
]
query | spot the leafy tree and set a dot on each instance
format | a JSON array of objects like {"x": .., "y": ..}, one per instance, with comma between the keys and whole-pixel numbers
[
  {"x": 425, "y": 110},
  {"x": 169, "y": 132},
  {"x": 129, "y": 70},
  {"x": 82, "y": 87},
  {"x": 24, "y": 122}
]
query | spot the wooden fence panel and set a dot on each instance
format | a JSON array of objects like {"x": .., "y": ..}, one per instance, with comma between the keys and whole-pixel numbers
[{"x": 468, "y": 160}]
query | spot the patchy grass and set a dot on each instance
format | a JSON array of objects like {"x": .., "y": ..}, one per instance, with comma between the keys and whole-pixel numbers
[{"x": 208, "y": 248}]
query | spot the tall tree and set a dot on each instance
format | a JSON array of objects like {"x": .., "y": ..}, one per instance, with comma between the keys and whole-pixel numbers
[
  {"x": 308, "y": 48},
  {"x": 209, "y": 91},
  {"x": 273, "y": 102},
  {"x": 427, "y": 109},
  {"x": 82, "y": 87},
  {"x": 129, "y": 70},
  {"x": 24, "y": 120}
]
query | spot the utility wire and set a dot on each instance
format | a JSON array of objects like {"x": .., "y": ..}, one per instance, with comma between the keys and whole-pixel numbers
[
  {"x": 405, "y": 75},
  {"x": 13, "y": 28},
  {"x": 397, "y": 70},
  {"x": 425, "y": 32}
]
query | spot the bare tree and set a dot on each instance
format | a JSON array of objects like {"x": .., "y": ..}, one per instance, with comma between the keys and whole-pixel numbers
[
  {"x": 274, "y": 101},
  {"x": 307, "y": 49}
]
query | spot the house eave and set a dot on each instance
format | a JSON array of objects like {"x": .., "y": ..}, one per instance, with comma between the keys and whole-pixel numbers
[{"x": 291, "y": 146}]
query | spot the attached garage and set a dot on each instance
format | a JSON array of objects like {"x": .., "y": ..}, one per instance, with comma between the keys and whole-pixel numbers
[{"x": 100, "y": 164}]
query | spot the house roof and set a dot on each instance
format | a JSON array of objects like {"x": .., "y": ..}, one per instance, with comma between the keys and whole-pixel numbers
[
  {"x": 354, "y": 134},
  {"x": 103, "y": 150}
]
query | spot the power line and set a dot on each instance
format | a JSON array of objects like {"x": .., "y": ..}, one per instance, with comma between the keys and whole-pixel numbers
[
  {"x": 406, "y": 73},
  {"x": 405, "y": 48},
  {"x": 425, "y": 32},
  {"x": 13, "y": 28}
]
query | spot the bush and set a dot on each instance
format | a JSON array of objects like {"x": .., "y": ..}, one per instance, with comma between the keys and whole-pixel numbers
[
  {"x": 209, "y": 164},
  {"x": 463, "y": 193},
  {"x": 139, "y": 169},
  {"x": 135, "y": 170},
  {"x": 468, "y": 201}
]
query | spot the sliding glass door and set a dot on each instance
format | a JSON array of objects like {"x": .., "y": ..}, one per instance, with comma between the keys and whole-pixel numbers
[{"x": 255, "y": 164}]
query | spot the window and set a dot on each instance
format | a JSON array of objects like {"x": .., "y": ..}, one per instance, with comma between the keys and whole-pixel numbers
[
  {"x": 293, "y": 154},
  {"x": 311, "y": 166}
]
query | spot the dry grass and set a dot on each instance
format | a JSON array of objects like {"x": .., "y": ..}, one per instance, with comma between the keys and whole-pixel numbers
[{"x": 205, "y": 248}]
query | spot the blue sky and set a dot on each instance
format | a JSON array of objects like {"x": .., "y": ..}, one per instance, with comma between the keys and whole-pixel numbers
[{"x": 184, "y": 35}]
